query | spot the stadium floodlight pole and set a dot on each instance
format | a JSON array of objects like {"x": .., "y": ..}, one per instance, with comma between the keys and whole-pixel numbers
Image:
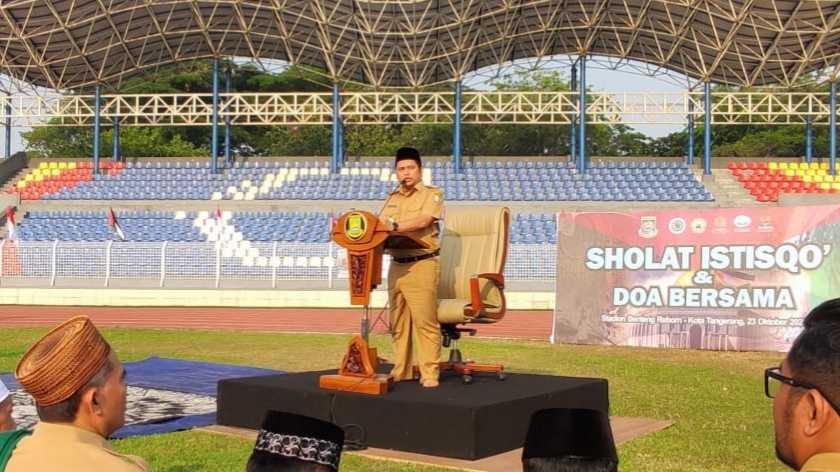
[
  {"x": 832, "y": 130},
  {"x": 214, "y": 139},
  {"x": 456, "y": 131},
  {"x": 340, "y": 141},
  {"x": 97, "y": 126},
  {"x": 809, "y": 139},
  {"x": 115, "y": 140},
  {"x": 573, "y": 121},
  {"x": 335, "y": 162},
  {"x": 707, "y": 128},
  {"x": 8, "y": 151},
  {"x": 690, "y": 154},
  {"x": 581, "y": 167},
  {"x": 228, "y": 156}
]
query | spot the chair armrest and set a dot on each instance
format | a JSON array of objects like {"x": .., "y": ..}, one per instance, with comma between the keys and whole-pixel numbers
[
  {"x": 475, "y": 293},
  {"x": 497, "y": 279}
]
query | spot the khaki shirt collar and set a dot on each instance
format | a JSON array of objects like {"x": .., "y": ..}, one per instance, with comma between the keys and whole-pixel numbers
[
  {"x": 825, "y": 462},
  {"x": 418, "y": 187},
  {"x": 69, "y": 434}
]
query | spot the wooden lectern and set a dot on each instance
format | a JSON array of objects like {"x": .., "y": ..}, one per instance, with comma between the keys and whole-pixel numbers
[{"x": 365, "y": 238}]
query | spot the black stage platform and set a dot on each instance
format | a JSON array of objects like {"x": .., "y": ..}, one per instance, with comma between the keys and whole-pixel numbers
[{"x": 456, "y": 420}]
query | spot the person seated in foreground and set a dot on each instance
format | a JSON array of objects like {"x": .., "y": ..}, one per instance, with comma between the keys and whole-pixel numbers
[
  {"x": 569, "y": 440},
  {"x": 287, "y": 442},
  {"x": 805, "y": 390},
  {"x": 7, "y": 423},
  {"x": 78, "y": 384}
]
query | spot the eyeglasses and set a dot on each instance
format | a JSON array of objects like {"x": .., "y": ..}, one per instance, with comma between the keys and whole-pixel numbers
[{"x": 773, "y": 380}]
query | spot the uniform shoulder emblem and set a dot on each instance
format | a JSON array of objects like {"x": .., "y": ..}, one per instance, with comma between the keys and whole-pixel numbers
[{"x": 437, "y": 193}]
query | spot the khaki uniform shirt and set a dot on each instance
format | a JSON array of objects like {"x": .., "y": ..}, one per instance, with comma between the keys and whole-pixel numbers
[
  {"x": 826, "y": 462},
  {"x": 66, "y": 448},
  {"x": 403, "y": 204}
]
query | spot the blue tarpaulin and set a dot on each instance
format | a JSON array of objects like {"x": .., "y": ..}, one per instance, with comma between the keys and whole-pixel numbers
[{"x": 174, "y": 375}]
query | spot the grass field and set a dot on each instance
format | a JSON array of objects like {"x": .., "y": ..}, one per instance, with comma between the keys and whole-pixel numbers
[{"x": 722, "y": 419}]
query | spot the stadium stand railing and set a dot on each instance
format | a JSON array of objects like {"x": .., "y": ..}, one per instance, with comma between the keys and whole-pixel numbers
[{"x": 43, "y": 263}]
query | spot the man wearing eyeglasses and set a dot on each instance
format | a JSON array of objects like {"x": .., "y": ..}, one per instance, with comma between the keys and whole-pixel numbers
[{"x": 806, "y": 394}]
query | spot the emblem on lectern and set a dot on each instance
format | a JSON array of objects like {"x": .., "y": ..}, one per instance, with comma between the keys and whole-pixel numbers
[{"x": 355, "y": 226}]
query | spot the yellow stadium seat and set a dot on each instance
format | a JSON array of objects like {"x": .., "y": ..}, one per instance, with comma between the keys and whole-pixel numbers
[
  {"x": 780, "y": 165},
  {"x": 62, "y": 165},
  {"x": 824, "y": 166},
  {"x": 29, "y": 178},
  {"x": 828, "y": 178},
  {"x": 39, "y": 178},
  {"x": 21, "y": 184},
  {"x": 836, "y": 185},
  {"x": 819, "y": 178},
  {"x": 790, "y": 173},
  {"x": 825, "y": 186},
  {"x": 774, "y": 166},
  {"x": 55, "y": 172},
  {"x": 53, "y": 165},
  {"x": 43, "y": 165},
  {"x": 800, "y": 173},
  {"x": 71, "y": 165}
]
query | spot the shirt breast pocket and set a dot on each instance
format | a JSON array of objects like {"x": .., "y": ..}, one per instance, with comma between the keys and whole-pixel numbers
[{"x": 413, "y": 207}]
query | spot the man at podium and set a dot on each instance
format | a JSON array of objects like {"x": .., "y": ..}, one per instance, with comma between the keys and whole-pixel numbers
[{"x": 414, "y": 208}]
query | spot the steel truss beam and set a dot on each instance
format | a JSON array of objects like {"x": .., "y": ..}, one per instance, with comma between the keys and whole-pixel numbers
[
  {"x": 378, "y": 108},
  {"x": 66, "y": 44}
]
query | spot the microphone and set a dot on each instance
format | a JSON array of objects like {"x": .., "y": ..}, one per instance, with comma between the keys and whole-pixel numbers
[{"x": 399, "y": 184}]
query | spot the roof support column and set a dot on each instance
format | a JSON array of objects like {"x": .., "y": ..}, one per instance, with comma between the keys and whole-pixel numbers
[
  {"x": 707, "y": 128},
  {"x": 809, "y": 139},
  {"x": 97, "y": 126},
  {"x": 214, "y": 138},
  {"x": 690, "y": 153},
  {"x": 337, "y": 132},
  {"x": 581, "y": 165},
  {"x": 228, "y": 156},
  {"x": 8, "y": 150},
  {"x": 573, "y": 120},
  {"x": 456, "y": 131},
  {"x": 115, "y": 140},
  {"x": 832, "y": 130}
]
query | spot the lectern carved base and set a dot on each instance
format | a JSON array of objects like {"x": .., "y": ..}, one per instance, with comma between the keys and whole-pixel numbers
[{"x": 358, "y": 371}]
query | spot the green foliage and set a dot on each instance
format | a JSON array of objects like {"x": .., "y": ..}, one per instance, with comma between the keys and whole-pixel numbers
[{"x": 782, "y": 140}]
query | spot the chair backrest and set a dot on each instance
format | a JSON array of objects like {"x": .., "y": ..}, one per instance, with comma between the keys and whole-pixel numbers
[{"x": 475, "y": 241}]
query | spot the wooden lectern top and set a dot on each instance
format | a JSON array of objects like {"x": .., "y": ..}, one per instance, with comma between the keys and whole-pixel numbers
[
  {"x": 362, "y": 230},
  {"x": 366, "y": 238}
]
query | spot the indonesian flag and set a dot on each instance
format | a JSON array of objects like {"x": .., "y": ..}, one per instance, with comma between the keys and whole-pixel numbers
[
  {"x": 10, "y": 224},
  {"x": 115, "y": 225}
]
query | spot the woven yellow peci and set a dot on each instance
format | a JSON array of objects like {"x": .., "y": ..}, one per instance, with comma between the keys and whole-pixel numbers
[{"x": 62, "y": 361}]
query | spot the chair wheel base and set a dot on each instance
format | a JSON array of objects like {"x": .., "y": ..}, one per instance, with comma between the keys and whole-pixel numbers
[{"x": 467, "y": 370}]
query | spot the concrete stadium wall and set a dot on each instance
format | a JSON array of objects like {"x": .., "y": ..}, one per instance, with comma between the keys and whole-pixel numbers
[{"x": 225, "y": 298}]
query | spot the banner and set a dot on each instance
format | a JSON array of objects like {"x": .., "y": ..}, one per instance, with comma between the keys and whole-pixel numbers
[{"x": 723, "y": 279}]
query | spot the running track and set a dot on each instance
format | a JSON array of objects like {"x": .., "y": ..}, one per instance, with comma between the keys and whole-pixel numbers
[{"x": 516, "y": 324}]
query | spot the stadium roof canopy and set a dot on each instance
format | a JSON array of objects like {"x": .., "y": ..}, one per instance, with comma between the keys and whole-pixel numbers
[{"x": 65, "y": 44}]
